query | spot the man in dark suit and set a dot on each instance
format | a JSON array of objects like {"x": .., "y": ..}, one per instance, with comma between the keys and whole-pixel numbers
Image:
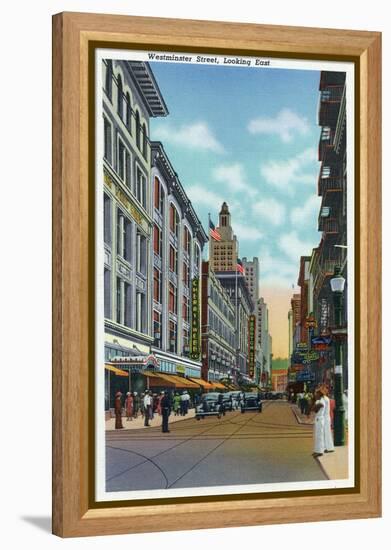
[{"x": 166, "y": 410}]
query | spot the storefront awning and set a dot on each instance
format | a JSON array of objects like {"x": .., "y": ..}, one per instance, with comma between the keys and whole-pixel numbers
[
  {"x": 158, "y": 380},
  {"x": 116, "y": 371},
  {"x": 218, "y": 386},
  {"x": 185, "y": 383},
  {"x": 203, "y": 383}
]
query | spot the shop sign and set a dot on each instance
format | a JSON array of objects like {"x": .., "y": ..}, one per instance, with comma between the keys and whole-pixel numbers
[
  {"x": 305, "y": 376},
  {"x": 181, "y": 369},
  {"x": 302, "y": 346},
  {"x": 310, "y": 322},
  {"x": 251, "y": 345},
  {"x": 195, "y": 337}
]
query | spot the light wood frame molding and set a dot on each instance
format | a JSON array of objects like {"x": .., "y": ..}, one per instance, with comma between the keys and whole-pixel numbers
[{"x": 73, "y": 513}]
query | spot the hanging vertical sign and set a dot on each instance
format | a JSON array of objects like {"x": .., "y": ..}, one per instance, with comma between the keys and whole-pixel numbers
[
  {"x": 195, "y": 339},
  {"x": 251, "y": 345}
]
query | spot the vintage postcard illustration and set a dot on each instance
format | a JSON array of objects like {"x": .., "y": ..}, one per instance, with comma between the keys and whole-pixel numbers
[{"x": 224, "y": 274}]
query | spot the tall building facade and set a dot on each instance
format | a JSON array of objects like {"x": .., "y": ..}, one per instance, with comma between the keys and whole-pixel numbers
[
  {"x": 251, "y": 272},
  {"x": 262, "y": 316},
  {"x": 130, "y": 97},
  {"x": 178, "y": 241},
  {"x": 223, "y": 254},
  {"x": 218, "y": 328}
]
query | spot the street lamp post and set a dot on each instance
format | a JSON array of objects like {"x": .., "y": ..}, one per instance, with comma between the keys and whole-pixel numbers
[{"x": 337, "y": 286}]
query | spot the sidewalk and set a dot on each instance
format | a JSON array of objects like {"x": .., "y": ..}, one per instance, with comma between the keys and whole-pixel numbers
[
  {"x": 334, "y": 465},
  {"x": 138, "y": 423}
]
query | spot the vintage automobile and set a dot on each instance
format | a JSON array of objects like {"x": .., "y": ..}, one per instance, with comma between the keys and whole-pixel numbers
[
  {"x": 250, "y": 402},
  {"x": 209, "y": 406}
]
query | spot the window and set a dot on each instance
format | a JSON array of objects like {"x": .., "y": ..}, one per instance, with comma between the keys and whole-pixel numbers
[
  {"x": 138, "y": 129},
  {"x": 326, "y": 171},
  {"x": 107, "y": 219},
  {"x": 185, "y": 309},
  {"x": 140, "y": 312},
  {"x": 123, "y": 162},
  {"x": 124, "y": 237},
  {"x": 158, "y": 196},
  {"x": 128, "y": 305},
  {"x": 109, "y": 78},
  {"x": 141, "y": 247},
  {"x": 174, "y": 220},
  {"x": 107, "y": 294},
  {"x": 172, "y": 298},
  {"x": 108, "y": 141},
  {"x": 157, "y": 240},
  {"x": 141, "y": 185},
  {"x": 186, "y": 341},
  {"x": 157, "y": 285},
  {"x": 145, "y": 142},
  {"x": 157, "y": 328},
  {"x": 119, "y": 301},
  {"x": 224, "y": 221},
  {"x": 172, "y": 336},
  {"x": 186, "y": 240},
  {"x": 128, "y": 109},
  {"x": 120, "y": 97},
  {"x": 186, "y": 274},
  {"x": 173, "y": 259}
]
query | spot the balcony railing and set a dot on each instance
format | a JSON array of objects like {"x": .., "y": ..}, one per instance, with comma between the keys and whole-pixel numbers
[
  {"x": 331, "y": 94},
  {"x": 330, "y": 99},
  {"x": 328, "y": 225},
  {"x": 329, "y": 184}
]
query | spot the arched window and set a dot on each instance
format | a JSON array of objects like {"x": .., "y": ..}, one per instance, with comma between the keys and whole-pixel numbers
[
  {"x": 109, "y": 78},
  {"x": 145, "y": 141},
  {"x": 120, "y": 97},
  {"x": 158, "y": 196},
  {"x": 138, "y": 129},
  {"x": 174, "y": 220},
  {"x": 128, "y": 113}
]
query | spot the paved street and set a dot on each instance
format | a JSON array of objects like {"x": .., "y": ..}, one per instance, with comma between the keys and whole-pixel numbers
[{"x": 265, "y": 447}]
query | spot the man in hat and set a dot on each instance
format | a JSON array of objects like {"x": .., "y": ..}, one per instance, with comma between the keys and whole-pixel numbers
[
  {"x": 118, "y": 411},
  {"x": 129, "y": 406},
  {"x": 166, "y": 410},
  {"x": 147, "y": 407}
]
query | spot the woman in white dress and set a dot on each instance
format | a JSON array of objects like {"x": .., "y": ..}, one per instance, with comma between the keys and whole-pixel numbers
[
  {"x": 319, "y": 438},
  {"x": 328, "y": 434}
]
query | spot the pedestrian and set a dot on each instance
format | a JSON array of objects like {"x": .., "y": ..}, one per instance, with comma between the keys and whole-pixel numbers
[
  {"x": 328, "y": 413},
  {"x": 159, "y": 403},
  {"x": 118, "y": 411},
  {"x": 345, "y": 405},
  {"x": 129, "y": 406},
  {"x": 136, "y": 404},
  {"x": 186, "y": 402},
  {"x": 142, "y": 410},
  {"x": 301, "y": 402},
  {"x": 165, "y": 404},
  {"x": 177, "y": 404},
  {"x": 147, "y": 402},
  {"x": 152, "y": 410},
  {"x": 322, "y": 430},
  {"x": 307, "y": 403}
]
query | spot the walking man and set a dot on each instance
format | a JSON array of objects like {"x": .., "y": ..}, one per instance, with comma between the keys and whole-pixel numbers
[
  {"x": 129, "y": 406},
  {"x": 166, "y": 410}
]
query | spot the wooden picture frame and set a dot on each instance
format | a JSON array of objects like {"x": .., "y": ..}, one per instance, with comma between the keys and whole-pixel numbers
[{"x": 74, "y": 37}]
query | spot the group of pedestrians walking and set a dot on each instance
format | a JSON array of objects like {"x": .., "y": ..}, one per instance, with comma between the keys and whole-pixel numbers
[{"x": 148, "y": 404}]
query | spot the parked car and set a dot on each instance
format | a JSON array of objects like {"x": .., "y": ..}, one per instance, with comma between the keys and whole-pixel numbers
[
  {"x": 209, "y": 406},
  {"x": 251, "y": 402}
]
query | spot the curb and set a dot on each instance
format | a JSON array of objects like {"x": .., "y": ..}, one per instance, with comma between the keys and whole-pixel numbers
[{"x": 298, "y": 419}]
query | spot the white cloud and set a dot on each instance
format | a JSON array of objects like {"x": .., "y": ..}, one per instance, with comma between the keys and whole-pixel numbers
[
  {"x": 286, "y": 125},
  {"x": 283, "y": 174},
  {"x": 294, "y": 247},
  {"x": 270, "y": 210},
  {"x": 189, "y": 136},
  {"x": 307, "y": 212},
  {"x": 234, "y": 178},
  {"x": 276, "y": 271},
  {"x": 246, "y": 232}
]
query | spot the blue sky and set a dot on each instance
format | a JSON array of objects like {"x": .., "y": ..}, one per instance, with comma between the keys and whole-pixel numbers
[{"x": 248, "y": 136}]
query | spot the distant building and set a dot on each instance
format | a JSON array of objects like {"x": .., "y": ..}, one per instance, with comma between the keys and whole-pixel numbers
[
  {"x": 264, "y": 342},
  {"x": 251, "y": 271},
  {"x": 223, "y": 254},
  {"x": 218, "y": 328},
  {"x": 303, "y": 283}
]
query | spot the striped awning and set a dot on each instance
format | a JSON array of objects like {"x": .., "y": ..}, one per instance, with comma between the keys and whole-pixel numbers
[{"x": 218, "y": 386}]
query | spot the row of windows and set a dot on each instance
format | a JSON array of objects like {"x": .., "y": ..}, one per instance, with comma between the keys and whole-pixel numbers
[
  {"x": 124, "y": 306},
  {"x": 124, "y": 109},
  {"x": 124, "y": 238},
  {"x": 123, "y": 165},
  {"x": 172, "y": 334},
  {"x": 220, "y": 303},
  {"x": 221, "y": 328}
]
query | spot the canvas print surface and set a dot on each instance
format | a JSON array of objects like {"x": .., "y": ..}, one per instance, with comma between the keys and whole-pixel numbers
[{"x": 225, "y": 274}]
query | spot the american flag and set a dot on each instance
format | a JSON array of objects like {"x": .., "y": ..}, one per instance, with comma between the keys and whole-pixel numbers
[
  {"x": 239, "y": 267},
  {"x": 212, "y": 231}
]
